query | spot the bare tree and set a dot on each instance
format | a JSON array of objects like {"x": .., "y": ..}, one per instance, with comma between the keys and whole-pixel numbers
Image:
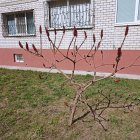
[{"x": 74, "y": 55}]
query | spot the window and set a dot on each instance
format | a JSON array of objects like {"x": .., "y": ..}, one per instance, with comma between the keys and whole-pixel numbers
[
  {"x": 128, "y": 11},
  {"x": 69, "y": 13},
  {"x": 20, "y": 23},
  {"x": 18, "y": 58}
]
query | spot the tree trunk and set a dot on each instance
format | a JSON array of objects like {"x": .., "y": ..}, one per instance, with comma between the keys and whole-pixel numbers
[{"x": 73, "y": 110}]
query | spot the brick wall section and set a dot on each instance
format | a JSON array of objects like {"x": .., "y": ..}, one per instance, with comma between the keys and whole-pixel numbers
[
  {"x": 12, "y": 42},
  {"x": 105, "y": 12},
  {"x": 104, "y": 19}
]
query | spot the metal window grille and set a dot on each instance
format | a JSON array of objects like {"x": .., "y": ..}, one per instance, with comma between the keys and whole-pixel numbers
[
  {"x": 69, "y": 13},
  {"x": 21, "y": 23}
]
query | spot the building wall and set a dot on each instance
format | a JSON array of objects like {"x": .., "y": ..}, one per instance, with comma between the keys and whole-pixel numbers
[
  {"x": 39, "y": 8},
  {"x": 105, "y": 14},
  {"x": 12, "y": 42},
  {"x": 105, "y": 11}
]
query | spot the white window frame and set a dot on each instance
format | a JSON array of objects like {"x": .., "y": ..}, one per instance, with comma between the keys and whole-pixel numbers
[
  {"x": 16, "y": 58},
  {"x": 15, "y": 18},
  {"x": 135, "y": 22},
  {"x": 92, "y": 16}
]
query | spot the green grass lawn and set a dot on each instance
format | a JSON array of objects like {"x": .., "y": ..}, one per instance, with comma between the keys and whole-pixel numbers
[{"x": 32, "y": 108}]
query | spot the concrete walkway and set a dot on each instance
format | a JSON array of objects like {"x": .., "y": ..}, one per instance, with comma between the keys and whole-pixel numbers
[{"x": 126, "y": 76}]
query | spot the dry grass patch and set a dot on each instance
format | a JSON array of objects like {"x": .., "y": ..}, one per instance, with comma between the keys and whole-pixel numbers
[{"x": 33, "y": 107}]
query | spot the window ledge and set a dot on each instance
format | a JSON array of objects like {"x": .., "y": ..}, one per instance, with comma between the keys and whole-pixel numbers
[
  {"x": 29, "y": 35},
  {"x": 127, "y": 23},
  {"x": 71, "y": 28},
  {"x": 19, "y": 61}
]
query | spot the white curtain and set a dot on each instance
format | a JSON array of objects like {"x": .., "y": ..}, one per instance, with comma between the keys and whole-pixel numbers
[
  {"x": 80, "y": 12},
  {"x": 59, "y": 14}
]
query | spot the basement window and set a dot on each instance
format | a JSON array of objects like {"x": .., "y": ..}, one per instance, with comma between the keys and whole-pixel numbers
[{"x": 18, "y": 58}]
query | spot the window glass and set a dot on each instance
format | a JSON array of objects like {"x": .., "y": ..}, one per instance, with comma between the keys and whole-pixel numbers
[
  {"x": 69, "y": 13},
  {"x": 30, "y": 23},
  {"x": 80, "y": 12},
  {"x": 59, "y": 14},
  {"x": 139, "y": 12},
  {"x": 126, "y": 11},
  {"x": 18, "y": 58},
  {"x": 11, "y": 24},
  {"x": 20, "y": 23}
]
